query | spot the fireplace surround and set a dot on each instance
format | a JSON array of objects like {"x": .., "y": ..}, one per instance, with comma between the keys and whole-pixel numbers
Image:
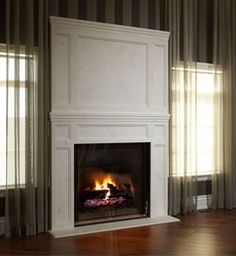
[{"x": 109, "y": 87}]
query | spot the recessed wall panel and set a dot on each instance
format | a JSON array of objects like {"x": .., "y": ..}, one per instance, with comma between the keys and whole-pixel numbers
[
  {"x": 61, "y": 71},
  {"x": 62, "y": 184},
  {"x": 112, "y": 132},
  {"x": 157, "y": 77},
  {"x": 109, "y": 73},
  {"x": 159, "y": 180}
]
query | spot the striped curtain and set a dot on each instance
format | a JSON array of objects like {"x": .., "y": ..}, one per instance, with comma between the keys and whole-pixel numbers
[
  {"x": 138, "y": 13},
  {"x": 152, "y": 14},
  {"x": 24, "y": 107},
  {"x": 159, "y": 14}
]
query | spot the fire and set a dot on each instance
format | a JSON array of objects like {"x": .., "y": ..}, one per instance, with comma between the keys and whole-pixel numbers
[{"x": 104, "y": 185}]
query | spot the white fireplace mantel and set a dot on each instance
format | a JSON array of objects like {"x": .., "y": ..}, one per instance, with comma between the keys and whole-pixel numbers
[{"x": 109, "y": 85}]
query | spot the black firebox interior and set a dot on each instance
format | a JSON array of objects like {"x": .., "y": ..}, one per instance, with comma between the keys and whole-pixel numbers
[{"x": 112, "y": 182}]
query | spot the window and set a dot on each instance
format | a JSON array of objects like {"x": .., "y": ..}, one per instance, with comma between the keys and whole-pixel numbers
[
  {"x": 197, "y": 126},
  {"x": 8, "y": 111}
]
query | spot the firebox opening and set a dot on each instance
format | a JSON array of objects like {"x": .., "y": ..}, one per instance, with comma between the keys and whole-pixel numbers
[{"x": 112, "y": 182}]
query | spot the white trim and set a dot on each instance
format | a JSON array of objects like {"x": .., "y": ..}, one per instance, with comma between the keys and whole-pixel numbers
[
  {"x": 106, "y": 26},
  {"x": 121, "y": 117}
]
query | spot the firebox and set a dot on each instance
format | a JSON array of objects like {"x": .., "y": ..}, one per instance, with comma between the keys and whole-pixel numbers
[{"x": 112, "y": 182}]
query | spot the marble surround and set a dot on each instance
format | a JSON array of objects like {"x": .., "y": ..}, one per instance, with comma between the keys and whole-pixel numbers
[{"x": 109, "y": 85}]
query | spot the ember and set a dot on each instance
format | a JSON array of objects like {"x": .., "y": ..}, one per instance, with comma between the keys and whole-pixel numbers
[{"x": 93, "y": 203}]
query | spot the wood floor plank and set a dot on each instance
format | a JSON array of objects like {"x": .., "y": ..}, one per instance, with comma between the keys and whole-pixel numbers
[{"x": 202, "y": 233}]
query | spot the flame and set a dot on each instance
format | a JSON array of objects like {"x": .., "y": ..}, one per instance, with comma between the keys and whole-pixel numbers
[{"x": 104, "y": 185}]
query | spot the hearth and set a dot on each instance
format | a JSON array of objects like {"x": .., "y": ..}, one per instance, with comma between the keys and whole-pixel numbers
[{"x": 112, "y": 182}]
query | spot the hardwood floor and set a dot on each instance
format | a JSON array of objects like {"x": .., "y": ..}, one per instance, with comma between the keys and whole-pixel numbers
[{"x": 203, "y": 233}]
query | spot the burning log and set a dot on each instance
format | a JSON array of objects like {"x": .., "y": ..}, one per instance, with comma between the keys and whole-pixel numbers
[
  {"x": 111, "y": 186},
  {"x": 94, "y": 194},
  {"x": 96, "y": 199},
  {"x": 107, "y": 191}
]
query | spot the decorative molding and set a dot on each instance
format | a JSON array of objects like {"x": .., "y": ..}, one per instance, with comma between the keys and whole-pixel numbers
[
  {"x": 159, "y": 134},
  {"x": 63, "y": 132},
  {"x": 108, "y": 27},
  {"x": 109, "y": 117}
]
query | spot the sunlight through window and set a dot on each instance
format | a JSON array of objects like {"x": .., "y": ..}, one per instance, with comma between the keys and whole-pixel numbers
[
  {"x": 8, "y": 111},
  {"x": 196, "y": 126}
]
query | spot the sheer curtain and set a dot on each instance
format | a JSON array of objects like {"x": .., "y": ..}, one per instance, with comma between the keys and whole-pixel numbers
[
  {"x": 201, "y": 82},
  {"x": 23, "y": 120}
]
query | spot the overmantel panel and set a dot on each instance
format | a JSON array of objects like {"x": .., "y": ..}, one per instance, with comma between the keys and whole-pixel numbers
[
  {"x": 108, "y": 68},
  {"x": 109, "y": 74}
]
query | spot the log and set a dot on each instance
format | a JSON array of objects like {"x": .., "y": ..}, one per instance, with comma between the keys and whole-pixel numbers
[{"x": 94, "y": 194}]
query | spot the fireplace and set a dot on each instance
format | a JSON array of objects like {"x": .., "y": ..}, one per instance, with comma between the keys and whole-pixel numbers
[
  {"x": 109, "y": 126},
  {"x": 112, "y": 182}
]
